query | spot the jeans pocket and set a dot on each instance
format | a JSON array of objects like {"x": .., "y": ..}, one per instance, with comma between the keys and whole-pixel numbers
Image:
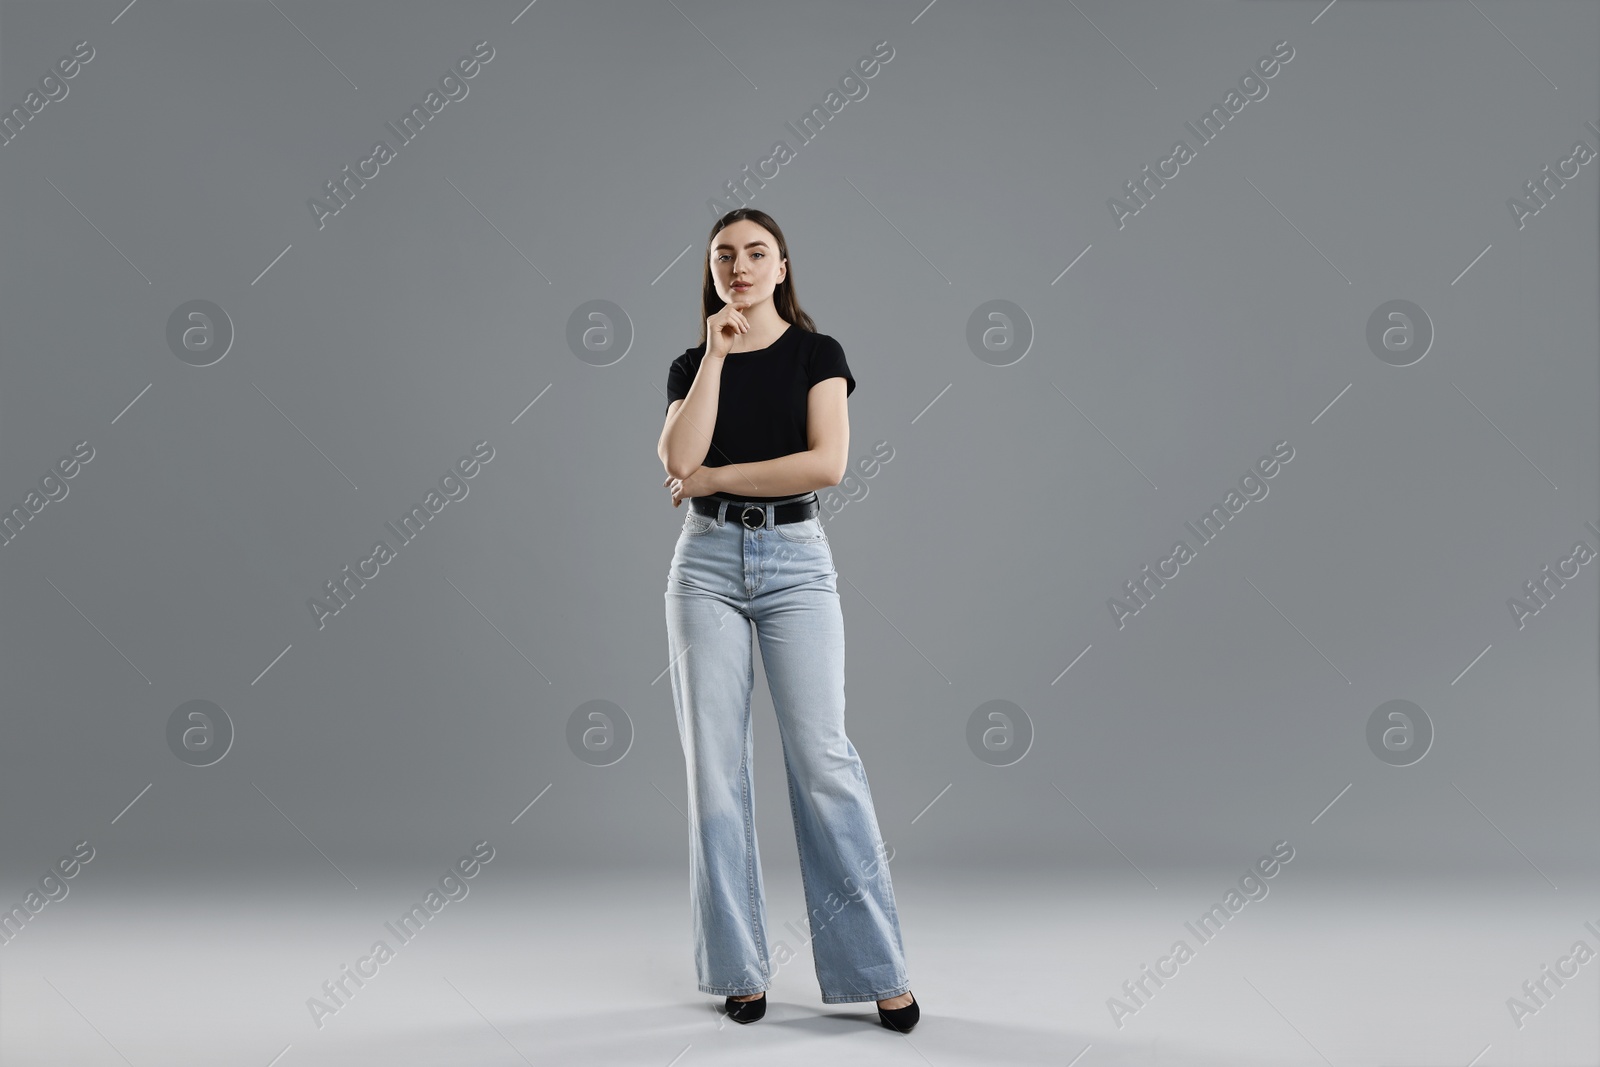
[
  {"x": 695, "y": 523},
  {"x": 805, "y": 532}
]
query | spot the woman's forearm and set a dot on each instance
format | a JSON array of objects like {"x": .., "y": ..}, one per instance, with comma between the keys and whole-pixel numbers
[
  {"x": 791, "y": 475},
  {"x": 687, "y": 436}
]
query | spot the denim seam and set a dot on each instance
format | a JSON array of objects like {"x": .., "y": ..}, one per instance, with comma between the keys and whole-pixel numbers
[
  {"x": 750, "y": 827},
  {"x": 734, "y": 992},
  {"x": 893, "y": 907},
  {"x": 904, "y": 987},
  {"x": 794, "y": 813},
  {"x": 805, "y": 881},
  {"x": 805, "y": 885}
]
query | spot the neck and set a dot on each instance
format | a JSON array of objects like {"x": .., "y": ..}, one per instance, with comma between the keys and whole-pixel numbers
[{"x": 764, "y": 320}]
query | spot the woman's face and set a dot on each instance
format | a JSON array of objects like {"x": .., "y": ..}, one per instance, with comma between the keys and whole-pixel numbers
[{"x": 744, "y": 252}]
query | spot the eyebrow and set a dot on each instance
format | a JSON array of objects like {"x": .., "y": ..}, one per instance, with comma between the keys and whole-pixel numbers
[{"x": 751, "y": 244}]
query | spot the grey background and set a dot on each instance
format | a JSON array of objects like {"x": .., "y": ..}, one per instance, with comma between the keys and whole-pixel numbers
[{"x": 429, "y": 313}]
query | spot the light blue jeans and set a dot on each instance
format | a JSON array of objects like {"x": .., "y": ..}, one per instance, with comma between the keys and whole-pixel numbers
[{"x": 724, "y": 577}]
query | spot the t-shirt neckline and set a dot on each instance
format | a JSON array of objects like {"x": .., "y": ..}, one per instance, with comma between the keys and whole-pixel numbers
[{"x": 752, "y": 351}]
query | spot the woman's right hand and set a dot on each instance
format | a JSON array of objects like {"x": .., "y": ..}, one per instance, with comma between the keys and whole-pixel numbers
[{"x": 723, "y": 327}]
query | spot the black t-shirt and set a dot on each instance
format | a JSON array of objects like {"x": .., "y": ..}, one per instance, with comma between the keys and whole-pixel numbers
[{"x": 761, "y": 408}]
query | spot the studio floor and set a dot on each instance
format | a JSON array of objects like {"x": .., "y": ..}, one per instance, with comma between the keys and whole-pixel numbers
[{"x": 1009, "y": 969}]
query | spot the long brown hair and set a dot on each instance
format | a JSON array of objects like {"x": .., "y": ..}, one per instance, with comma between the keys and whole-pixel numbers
[{"x": 783, "y": 297}]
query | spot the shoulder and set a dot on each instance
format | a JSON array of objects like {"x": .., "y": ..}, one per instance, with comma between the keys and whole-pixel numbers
[
  {"x": 825, "y": 359},
  {"x": 821, "y": 349},
  {"x": 816, "y": 341}
]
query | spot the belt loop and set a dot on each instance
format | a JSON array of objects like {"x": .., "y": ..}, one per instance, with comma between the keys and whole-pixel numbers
[
  {"x": 771, "y": 510},
  {"x": 722, "y": 512}
]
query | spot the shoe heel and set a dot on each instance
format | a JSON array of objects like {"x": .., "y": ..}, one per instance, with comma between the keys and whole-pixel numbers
[
  {"x": 903, "y": 1019},
  {"x": 746, "y": 1011}
]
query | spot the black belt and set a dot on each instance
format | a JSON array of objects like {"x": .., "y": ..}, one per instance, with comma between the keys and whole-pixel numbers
[{"x": 753, "y": 514}]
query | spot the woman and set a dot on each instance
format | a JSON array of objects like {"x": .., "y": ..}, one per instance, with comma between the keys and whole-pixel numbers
[{"x": 756, "y": 423}]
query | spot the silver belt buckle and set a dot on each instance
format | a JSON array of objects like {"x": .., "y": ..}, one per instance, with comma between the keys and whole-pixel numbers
[{"x": 760, "y": 516}]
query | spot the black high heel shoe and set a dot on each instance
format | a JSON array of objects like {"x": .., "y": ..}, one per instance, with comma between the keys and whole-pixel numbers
[
  {"x": 747, "y": 1011},
  {"x": 901, "y": 1019}
]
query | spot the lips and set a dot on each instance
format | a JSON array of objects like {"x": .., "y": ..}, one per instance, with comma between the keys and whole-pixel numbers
[{"x": 741, "y": 286}]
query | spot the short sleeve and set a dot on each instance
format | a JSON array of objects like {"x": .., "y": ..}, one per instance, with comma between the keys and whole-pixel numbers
[
  {"x": 678, "y": 380},
  {"x": 827, "y": 361}
]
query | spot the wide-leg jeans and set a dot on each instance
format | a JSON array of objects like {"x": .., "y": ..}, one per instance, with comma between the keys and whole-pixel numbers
[{"x": 725, "y": 577}]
